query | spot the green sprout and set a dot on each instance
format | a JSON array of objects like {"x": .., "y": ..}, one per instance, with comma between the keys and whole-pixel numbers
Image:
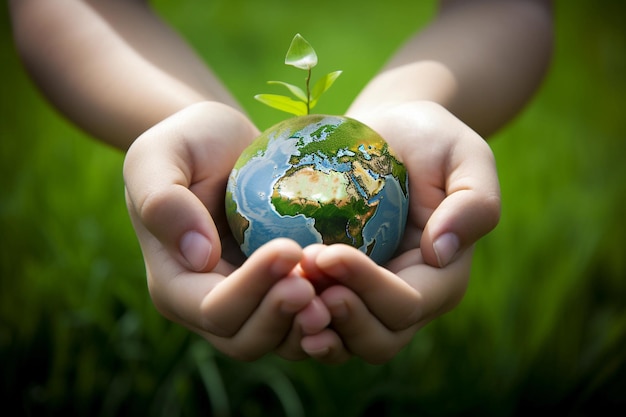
[{"x": 300, "y": 55}]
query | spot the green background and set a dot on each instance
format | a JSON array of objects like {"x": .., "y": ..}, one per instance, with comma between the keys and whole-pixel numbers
[{"x": 542, "y": 327}]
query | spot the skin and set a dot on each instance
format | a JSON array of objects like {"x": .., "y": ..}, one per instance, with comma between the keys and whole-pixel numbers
[{"x": 431, "y": 103}]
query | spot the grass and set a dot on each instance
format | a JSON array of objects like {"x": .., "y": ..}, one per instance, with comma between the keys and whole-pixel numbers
[{"x": 543, "y": 324}]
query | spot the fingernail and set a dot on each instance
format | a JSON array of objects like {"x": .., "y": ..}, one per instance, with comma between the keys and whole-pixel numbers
[
  {"x": 446, "y": 246},
  {"x": 315, "y": 346},
  {"x": 196, "y": 249},
  {"x": 319, "y": 352}
]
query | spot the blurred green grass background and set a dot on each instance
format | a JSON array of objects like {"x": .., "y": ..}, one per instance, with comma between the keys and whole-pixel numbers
[{"x": 542, "y": 327}]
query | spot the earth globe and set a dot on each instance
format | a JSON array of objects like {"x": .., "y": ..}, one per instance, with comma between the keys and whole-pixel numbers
[{"x": 319, "y": 179}]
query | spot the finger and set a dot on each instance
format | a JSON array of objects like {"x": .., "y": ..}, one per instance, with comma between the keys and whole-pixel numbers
[
  {"x": 233, "y": 300},
  {"x": 314, "y": 318},
  {"x": 441, "y": 289},
  {"x": 326, "y": 347},
  {"x": 191, "y": 238},
  {"x": 360, "y": 330},
  {"x": 471, "y": 207},
  {"x": 268, "y": 326},
  {"x": 388, "y": 297},
  {"x": 311, "y": 320},
  {"x": 179, "y": 297},
  {"x": 310, "y": 269}
]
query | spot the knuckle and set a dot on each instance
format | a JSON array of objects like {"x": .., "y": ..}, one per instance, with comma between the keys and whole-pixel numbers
[
  {"x": 153, "y": 206},
  {"x": 492, "y": 208}
]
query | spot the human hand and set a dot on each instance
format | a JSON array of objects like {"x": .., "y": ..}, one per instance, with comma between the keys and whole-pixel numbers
[
  {"x": 175, "y": 177},
  {"x": 454, "y": 200}
]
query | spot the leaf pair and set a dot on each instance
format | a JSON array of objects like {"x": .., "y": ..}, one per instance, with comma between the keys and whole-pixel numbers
[{"x": 300, "y": 55}]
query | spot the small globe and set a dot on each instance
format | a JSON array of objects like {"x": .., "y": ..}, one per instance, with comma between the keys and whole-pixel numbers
[{"x": 319, "y": 179}]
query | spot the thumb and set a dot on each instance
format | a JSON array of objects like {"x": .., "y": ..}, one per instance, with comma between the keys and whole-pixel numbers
[
  {"x": 460, "y": 220},
  {"x": 175, "y": 219},
  {"x": 166, "y": 214},
  {"x": 175, "y": 175},
  {"x": 471, "y": 206}
]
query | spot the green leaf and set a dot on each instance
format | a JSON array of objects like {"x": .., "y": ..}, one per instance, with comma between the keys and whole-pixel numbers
[
  {"x": 283, "y": 103},
  {"x": 322, "y": 85},
  {"x": 295, "y": 90},
  {"x": 301, "y": 54}
]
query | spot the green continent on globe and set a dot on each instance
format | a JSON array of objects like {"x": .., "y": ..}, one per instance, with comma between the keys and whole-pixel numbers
[{"x": 330, "y": 198}]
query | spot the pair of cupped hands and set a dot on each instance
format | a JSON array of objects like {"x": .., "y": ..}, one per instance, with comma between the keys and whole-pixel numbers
[{"x": 329, "y": 303}]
